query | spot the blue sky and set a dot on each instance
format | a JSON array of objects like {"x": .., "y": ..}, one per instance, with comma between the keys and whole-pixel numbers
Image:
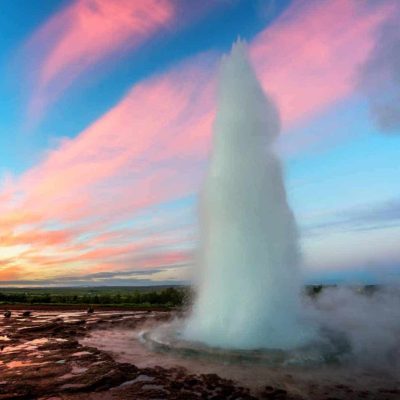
[{"x": 105, "y": 122}]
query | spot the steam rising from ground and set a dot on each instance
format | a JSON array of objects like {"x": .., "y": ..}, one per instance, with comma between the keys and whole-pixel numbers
[
  {"x": 369, "y": 321},
  {"x": 248, "y": 275}
]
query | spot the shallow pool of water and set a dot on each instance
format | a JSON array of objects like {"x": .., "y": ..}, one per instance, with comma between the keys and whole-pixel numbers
[{"x": 126, "y": 345}]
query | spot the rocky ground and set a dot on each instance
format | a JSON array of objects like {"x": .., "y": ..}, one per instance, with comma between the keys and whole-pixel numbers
[{"x": 41, "y": 358}]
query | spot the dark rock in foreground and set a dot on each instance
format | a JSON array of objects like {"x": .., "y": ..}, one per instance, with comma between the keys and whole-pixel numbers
[{"x": 41, "y": 358}]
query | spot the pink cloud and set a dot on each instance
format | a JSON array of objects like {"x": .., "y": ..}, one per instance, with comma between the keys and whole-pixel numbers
[
  {"x": 127, "y": 144},
  {"x": 308, "y": 59},
  {"x": 152, "y": 146},
  {"x": 85, "y": 33},
  {"x": 167, "y": 258}
]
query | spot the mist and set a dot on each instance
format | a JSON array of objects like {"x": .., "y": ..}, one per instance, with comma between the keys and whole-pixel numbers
[{"x": 369, "y": 320}]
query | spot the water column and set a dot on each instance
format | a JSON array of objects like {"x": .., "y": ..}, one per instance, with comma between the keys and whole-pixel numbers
[{"x": 248, "y": 293}]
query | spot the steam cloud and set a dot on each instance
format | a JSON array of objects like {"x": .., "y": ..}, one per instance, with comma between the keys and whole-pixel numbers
[
  {"x": 370, "y": 322},
  {"x": 380, "y": 77}
]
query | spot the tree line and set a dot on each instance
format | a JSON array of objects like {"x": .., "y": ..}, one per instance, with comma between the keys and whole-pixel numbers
[{"x": 169, "y": 297}]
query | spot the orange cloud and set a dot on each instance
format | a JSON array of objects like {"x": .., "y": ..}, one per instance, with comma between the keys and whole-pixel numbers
[
  {"x": 10, "y": 218},
  {"x": 36, "y": 237},
  {"x": 152, "y": 146},
  {"x": 10, "y": 273}
]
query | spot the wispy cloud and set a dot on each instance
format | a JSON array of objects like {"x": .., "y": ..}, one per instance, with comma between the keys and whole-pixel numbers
[
  {"x": 8, "y": 274},
  {"x": 151, "y": 148},
  {"x": 167, "y": 275},
  {"x": 361, "y": 218},
  {"x": 309, "y": 58},
  {"x": 85, "y": 33}
]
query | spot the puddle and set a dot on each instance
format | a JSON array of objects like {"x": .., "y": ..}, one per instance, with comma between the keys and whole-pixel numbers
[
  {"x": 73, "y": 373},
  {"x": 20, "y": 364},
  {"x": 140, "y": 378},
  {"x": 30, "y": 345},
  {"x": 39, "y": 341},
  {"x": 18, "y": 348},
  {"x": 75, "y": 386},
  {"x": 81, "y": 353},
  {"x": 78, "y": 370},
  {"x": 143, "y": 378}
]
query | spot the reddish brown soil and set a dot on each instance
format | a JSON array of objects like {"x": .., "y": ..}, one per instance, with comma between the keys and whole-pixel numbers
[{"x": 41, "y": 358}]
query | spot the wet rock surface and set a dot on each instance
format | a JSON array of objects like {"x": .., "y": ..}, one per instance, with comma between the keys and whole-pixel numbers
[{"x": 41, "y": 358}]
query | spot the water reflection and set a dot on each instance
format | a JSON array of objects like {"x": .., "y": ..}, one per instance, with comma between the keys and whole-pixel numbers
[{"x": 26, "y": 363}]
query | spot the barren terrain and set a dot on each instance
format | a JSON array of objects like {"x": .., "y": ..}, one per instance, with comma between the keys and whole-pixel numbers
[{"x": 58, "y": 354}]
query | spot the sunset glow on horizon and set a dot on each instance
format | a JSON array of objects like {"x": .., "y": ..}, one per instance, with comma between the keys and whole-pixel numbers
[{"x": 106, "y": 123}]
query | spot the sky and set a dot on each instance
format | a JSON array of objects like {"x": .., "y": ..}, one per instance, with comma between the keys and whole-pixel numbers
[{"x": 106, "y": 112}]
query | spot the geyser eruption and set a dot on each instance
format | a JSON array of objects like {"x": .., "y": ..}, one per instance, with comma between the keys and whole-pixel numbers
[{"x": 249, "y": 282}]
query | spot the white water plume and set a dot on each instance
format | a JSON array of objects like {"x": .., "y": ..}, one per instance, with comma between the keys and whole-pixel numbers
[{"x": 249, "y": 281}]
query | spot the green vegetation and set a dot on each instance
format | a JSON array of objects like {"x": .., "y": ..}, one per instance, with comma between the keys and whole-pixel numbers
[
  {"x": 315, "y": 290},
  {"x": 143, "y": 296},
  {"x": 117, "y": 296}
]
